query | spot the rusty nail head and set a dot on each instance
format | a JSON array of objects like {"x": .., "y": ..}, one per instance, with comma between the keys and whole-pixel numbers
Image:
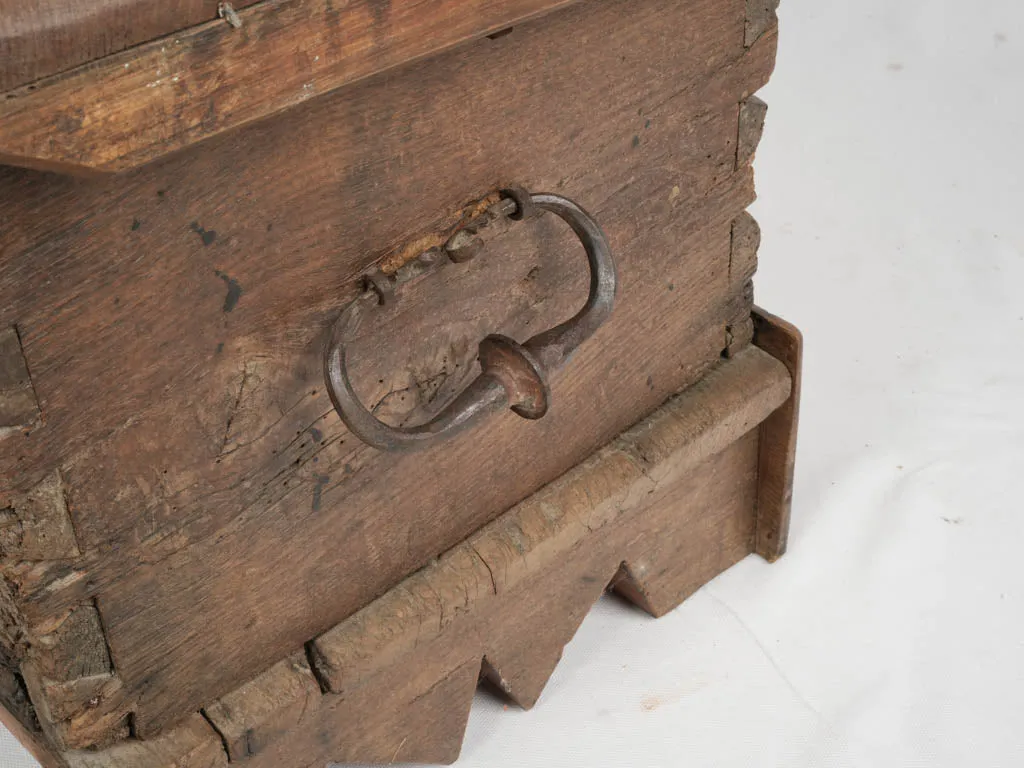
[
  {"x": 525, "y": 208},
  {"x": 381, "y": 284},
  {"x": 463, "y": 246}
]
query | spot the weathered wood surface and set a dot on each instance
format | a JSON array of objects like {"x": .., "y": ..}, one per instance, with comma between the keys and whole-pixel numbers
[
  {"x": 753, "y": 112},
  {"x": 655, "y": 514},
  {"x": 39, "y": 38},
  {"x": 223, "y": 513},
  {"x": 19, "y": 410},
  {"x": 762, "y": 15},
  {"x": 169, "y": 94},
  {"x": 266, "y": 708},
  {"x": 673, "y": 498},
  {"x": 194, "y": 744},
  {"x": 777, "y": 463}
]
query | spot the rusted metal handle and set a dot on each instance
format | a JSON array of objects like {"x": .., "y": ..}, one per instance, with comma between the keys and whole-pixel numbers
[{"x": 514, "y": 375}]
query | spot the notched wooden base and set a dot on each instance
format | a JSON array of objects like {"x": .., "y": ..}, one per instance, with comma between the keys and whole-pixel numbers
[{"x": 664, "y": 508}]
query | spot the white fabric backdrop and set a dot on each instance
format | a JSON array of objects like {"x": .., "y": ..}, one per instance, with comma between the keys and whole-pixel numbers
[{"x": 893, "y": 632}]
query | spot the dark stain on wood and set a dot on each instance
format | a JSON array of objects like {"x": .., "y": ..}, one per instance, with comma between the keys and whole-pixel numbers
[
  {"x": 321, "y": 482},
  {"x": 207, "y": 235},
  {"x": 234, "y": 287}
]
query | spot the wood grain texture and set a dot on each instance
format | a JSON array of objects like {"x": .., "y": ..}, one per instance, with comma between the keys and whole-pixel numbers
[
  {"x": 19, "y": 410},
  {"x": 266, "y": 708},
  {"x": 80, "y": 713},
  {"x": 36, "y": 526},
  {"x": 777, "y": 463},
  {"x": 169, "y": 94},
  {"x": 192, "y": 745},
  {"x": 762, "y": 15},
  {"x": 78, "y": 700},
  {"x": 62, "y": 663},
  {"x": 208, "y": 479},
  {"x": 745, "y": 238},
  {"x": 39, "y": 38}
]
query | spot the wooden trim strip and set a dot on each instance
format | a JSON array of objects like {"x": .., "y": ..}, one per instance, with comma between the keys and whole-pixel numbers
[
  {"x": 778, "y": 438},
  {"x": 134, "y": 107}
]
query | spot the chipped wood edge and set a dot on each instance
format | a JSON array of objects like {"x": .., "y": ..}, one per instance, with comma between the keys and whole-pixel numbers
[
  {"x": 752, "y": 116},
  {"x": 777, "y": 460},
  {"x": 19, "y": 405},
  {"x": 62, "y": 662},
  {"x": 174, "y": 92},
  {"x": 762, "y": 15}
]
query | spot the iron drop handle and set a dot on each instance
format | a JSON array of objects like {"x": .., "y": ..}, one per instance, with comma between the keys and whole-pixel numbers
[{"x": 513, "y": 375}]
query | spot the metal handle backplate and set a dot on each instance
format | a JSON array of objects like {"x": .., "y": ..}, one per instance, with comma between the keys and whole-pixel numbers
[{"x": 513, "y": 375}]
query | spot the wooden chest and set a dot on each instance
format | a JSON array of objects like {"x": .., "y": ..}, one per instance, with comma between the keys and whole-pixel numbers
[{"x": 313, "y": 414}]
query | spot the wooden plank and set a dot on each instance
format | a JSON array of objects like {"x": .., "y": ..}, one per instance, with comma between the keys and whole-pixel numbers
[
  {"x": 39, "y": 39},
  {"x": 85, "y": 712},
  {"x": 266, "y": 708},
  {"x": 174, "y": 92},
  {"x": 36, "y": 526},
  {"x": 777, "y": 462},
  {"x": 746, "y": 240},
  {"x": 192, "y": 478},
  {"x": 192, "y": 745}
]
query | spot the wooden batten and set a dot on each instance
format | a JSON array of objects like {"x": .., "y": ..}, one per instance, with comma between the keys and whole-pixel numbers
[
  {"x": 777, "y": 460},
  {"x": 194, "y": 744}
]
